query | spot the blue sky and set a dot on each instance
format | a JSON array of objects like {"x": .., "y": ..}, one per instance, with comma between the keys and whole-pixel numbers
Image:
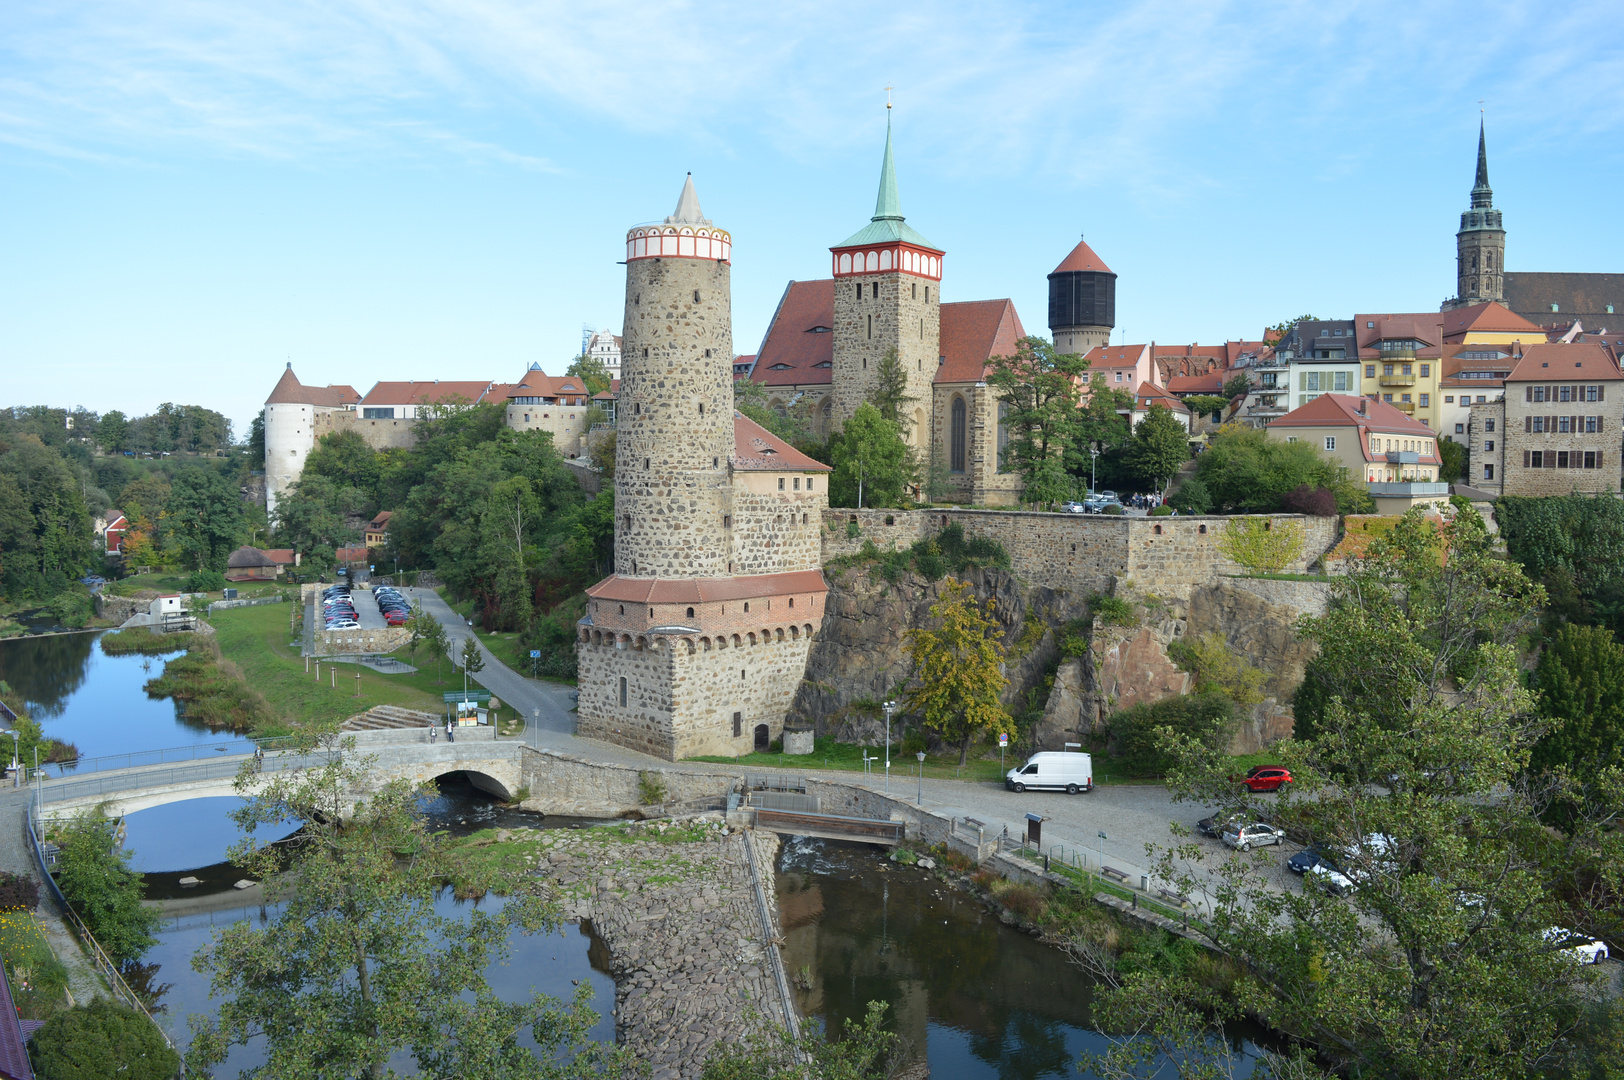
[{"x": 197, "y": 192}]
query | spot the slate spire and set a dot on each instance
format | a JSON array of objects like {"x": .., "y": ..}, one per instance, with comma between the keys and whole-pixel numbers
[{"x": 1482, "y": 194}]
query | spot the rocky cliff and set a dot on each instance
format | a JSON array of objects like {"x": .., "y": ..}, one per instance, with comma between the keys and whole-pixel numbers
[{"x": 858, "y": 659}]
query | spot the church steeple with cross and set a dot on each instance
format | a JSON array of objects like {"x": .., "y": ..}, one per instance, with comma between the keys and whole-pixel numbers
[{"x": 1480, "y": 245}]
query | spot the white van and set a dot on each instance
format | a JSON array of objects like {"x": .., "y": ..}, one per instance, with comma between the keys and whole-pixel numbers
[{"x": 1051, "y": 771}]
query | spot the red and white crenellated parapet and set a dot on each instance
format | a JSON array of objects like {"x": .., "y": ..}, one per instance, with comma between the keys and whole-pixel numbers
[
  {"x": 880, "y": 259},
  {"x": 679, "y": 242}
]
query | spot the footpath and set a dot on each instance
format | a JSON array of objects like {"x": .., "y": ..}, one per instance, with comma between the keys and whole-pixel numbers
[{"x": 83, "y": 981}]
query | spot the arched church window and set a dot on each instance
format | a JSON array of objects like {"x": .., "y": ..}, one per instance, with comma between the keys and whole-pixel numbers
[{"x": 956, "y": 454}]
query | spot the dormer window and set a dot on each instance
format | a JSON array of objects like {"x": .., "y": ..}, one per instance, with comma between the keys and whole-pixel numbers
[
  {"x": 818, "y": 330},
  {"x": 823, "y": 364},
  {"x": 779, "y": 367}
]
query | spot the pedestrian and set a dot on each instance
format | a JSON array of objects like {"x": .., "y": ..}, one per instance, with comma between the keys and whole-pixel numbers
[
  {"x": 450, "y": 732},
  {"x": 434, "y": 733}
]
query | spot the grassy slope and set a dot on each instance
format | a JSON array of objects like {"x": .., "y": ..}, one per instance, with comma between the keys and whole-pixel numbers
[{"x": 257, "y": 640}]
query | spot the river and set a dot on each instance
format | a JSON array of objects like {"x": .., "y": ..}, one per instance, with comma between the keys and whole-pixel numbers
[{"x": 973, "y": 998}]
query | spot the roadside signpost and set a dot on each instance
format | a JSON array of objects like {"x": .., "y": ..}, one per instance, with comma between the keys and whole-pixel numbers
[
  {"x": 535, "y": 656},
  {"x": 1003, "y": 741}
]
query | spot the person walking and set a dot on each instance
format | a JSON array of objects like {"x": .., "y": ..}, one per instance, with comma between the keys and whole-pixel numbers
[
  {"x": 434, "y": 733},
  {"x": 450, "y": 731}
]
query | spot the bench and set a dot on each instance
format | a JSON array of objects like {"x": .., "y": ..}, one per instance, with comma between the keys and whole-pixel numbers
[
  {"x": 1169, "y": 894},
  {"x": 1113, "y": 872}
]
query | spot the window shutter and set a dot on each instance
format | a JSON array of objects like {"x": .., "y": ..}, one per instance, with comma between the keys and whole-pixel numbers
[
  {"x": 1525, "y": 459},
  {"x": 1528, "y": 423},
  {"x": 1528, "y": 393},
  {"x": 1601, "y": 393}
]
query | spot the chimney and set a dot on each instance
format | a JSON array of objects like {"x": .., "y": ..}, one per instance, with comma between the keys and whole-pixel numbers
[{"x": 1364, "y": 406}]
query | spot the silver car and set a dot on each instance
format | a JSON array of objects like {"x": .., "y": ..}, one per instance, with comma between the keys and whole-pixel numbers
[{"x": 1246, "y": 837}]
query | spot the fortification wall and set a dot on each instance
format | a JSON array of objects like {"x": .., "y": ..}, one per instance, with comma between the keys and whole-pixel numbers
[
  {"x": 1078, "y": 552},
  {"x": 775, "y": 531}
]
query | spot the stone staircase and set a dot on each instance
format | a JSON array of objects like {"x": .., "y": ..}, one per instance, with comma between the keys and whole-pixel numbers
[{"x": 388, "y": 718}]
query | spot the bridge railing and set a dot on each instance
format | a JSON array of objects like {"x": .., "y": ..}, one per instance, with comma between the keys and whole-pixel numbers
[
  {"x": 75, "y": 789},
  {"x": 196, "y": 752},
  {"x": 109, "y": 971}
]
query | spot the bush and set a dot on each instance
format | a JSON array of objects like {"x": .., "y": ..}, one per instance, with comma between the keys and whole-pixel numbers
[
  {"x": 651, "y": 788},
  {"x": 99, "y": 1040},
  {"x": 205, "y": 581},
  {"x": 1217, "y": 669},
  {"x": 97, "y": 880},
  {"x": 1262, "y": 546},
  {"x": 1192, "y": 497},
  {"x": 18, "y": 892},
  {"x": 1304, "y": 499},
  {"x": 1111, "y": 610},
  {"x": 1160, "y": 511},
  {"x": 71, "y": 608},
  {"x": 1139, "y": 733},
  {"x": 912, "y": 743},
  {"x": 1074, "y": 636},
  {"x": 1113, "y": 509}
]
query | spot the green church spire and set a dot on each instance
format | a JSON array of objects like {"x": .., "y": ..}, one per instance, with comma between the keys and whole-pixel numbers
[
  {"x": 888, "y": 206},
  {"x": 887, "y": 224}
]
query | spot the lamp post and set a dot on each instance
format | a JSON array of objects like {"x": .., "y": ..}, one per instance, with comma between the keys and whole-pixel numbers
[
  {"x": 890, "y": 707},
  {"x": 1093, "y": 460},
  {"x": 921, "y": 756}
]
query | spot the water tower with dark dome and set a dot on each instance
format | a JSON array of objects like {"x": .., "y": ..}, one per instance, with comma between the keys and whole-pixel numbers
[{"x": 1082, "y": 301}]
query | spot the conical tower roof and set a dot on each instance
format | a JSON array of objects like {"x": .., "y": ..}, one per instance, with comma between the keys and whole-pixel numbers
[
  {"x": 288, "y": 390},
  {"x": 1082, "y": 257},
  {"x": 687, "y": 211},
  {"x": 1482, "y": 193},
  {"x": 887, "y": 224}
]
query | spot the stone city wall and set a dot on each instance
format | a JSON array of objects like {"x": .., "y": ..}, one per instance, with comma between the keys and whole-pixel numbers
[
  {"x": 1079, "y": 552},
  {"x": 776, "y": 531},
  {"x": 563, "y": 784},
  {"x": 565, "y": 423},
  {"x": 361, "y": 641}
]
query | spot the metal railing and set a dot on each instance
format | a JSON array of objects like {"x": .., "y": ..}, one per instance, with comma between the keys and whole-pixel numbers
[
  {"x": 70, "y": 790},
  {"x": 140, "y": 758},
  {"x": 103, "y": 963}
]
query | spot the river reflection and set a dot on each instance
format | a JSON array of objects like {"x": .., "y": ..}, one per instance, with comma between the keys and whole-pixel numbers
[
  {"x": 97, "y": 702},
  {"x": 972, "y": 997}
]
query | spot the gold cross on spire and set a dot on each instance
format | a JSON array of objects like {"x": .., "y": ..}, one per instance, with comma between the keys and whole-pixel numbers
[{"x": 887, "y": 97}]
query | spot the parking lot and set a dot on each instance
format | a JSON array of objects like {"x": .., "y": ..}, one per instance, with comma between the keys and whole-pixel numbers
[{"x": 366, "y": 610}]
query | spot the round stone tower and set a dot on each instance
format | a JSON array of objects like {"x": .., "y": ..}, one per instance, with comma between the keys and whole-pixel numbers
[
  {"x": 1082, "y": 301},
  {"x": 675, "y": 411}
]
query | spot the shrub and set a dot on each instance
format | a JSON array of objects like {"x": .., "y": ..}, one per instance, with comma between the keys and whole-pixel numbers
[
  {"x": 1113, "y": 509},
  {"x": 1305, "y": 499},
  {"x": 852, "y": 531},
  {"x": 1192, "y": 497},
  {"x": 1111, "y": 610},
  {"x": 1262, "y": 546},
  {"x": 912, "y": 742},
  {"x": 1074, "y": 636},
  {"x": 1139, "y": 733},
  {"x": 1160, "y": 511},
  {"x": 205, "y": 581},
  {"x": 1027, "y": 901},
  {"x": 71, "y": 607},
  {"x": 101, "y": 1039},
  {"x": 651, "y": 788},
  {"x": 18, "y": 892},
  {"x": 957, "y": 860},
  {"x": 1217, "y": 669}
]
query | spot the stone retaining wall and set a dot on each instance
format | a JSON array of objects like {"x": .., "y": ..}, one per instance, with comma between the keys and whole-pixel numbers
[
  {"x": 563, "y": 784},
  {"x": 361, "y": 640}
]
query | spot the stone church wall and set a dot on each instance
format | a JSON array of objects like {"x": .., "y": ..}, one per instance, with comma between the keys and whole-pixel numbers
[{"x": 980, "y": 483}]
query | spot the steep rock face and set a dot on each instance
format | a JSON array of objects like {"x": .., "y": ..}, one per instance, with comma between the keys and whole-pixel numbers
[
  {"x": 859, "y": 655},
  {"x": 1258, "y": 619}
]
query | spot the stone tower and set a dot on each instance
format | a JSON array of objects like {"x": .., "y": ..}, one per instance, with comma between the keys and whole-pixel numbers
[
  {"x": 675, "y": 412},
  {"x": 887, "y": 296},
  {"x": 698, "y": 641},
  {"x": 1082, "y": 302},
  {"x": 1480, "y": 245}
]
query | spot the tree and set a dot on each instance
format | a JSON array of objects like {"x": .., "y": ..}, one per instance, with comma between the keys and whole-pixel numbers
[
  {"x": 1192, "y": 497},
  {"x": 1275, "y": 334},
  {"x": 205, "y": 516},
  {"x": 1139, "y": 733},
  {"x": 1580, "y": 679},
  {"x": 872, "y": 465},
  {"x": 1038, "y": 390},
  {"x": 1246, "y": 471},
  {"x": 864, "y": 1051},
  {"x": 1160, "y": 446},
  {"x": 1236, "y": 386},
  {"x": 112, "y": 430},
  {"x": 511, "y": 525},
  {"x": 1437, "y": 962},
  {"x": 601, "y": 453},
  {"x": 956, "y": 679},
  {"x": 790, "y": 422},
  {"x": 97, "y": 880},
  {"x": 1452, "y": 456},
  {"x": 1203, "y": 404},
  {"x": 100, "y": 1039},
  {"x": 356, "y": 966},
  {"x": 256, "y": 442},
  {"x": 890, "y": 394},
  {"x": 472, "y": 661},
  {"x": 1102, "y": 424},
  {"x": 593, "y": 374}
]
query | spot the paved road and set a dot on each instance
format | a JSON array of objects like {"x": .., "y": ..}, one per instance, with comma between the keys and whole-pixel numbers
[{"x": 1130, "y": 816}]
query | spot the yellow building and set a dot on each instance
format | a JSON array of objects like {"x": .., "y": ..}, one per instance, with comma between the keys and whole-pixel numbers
[{"x": 1397, "y": 457}]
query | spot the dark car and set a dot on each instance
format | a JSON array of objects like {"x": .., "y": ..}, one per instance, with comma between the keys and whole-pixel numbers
[
  {"x": 1308, "y": 858},
  {"x": 1212, "y": 826}
]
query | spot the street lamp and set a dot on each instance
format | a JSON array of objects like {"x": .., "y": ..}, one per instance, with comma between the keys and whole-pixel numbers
[
  {"x": 1093, "y": 460},
  {"x": 889, "y": 707},
  {"x": 921, "y": 756}
]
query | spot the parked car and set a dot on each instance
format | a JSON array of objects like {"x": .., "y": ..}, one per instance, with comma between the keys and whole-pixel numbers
[
  {"x": 1582, "y": 949},
  {"x": 1056, "y": 771},
  {"x": 1328, "y": 875},
  {"x": 1266, "y": 778},
  {"x": 395, "y": 618},
  {"x": 1074, "y": 508},
  {"x": 1217, "y": 823},
  {"x": 1309, "y": 857},
  {"x": 1097, "y": 504},
  {"x": 1247, "y": 837}
]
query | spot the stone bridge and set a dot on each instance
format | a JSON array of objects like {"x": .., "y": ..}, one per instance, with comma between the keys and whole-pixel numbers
[{"x": 492, "y": 766}]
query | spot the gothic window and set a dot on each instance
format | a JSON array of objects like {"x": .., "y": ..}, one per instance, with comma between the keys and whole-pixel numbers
[{"x": 956, "y": 453}]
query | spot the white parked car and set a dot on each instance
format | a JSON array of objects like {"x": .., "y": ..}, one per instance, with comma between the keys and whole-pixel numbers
[
  {"x": 1054, "y": 771},
  {"x": 1584, "y": 950},
  {"x": 1246, "y": 837}
]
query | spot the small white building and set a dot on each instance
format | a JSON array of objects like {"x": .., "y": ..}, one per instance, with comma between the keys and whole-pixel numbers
[{"x": 604, "y": 347}]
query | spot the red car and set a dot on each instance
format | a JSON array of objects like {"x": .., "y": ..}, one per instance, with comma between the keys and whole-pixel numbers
[
  {"x": 1266, "y": 778},
  {"x": 395, "y": 618}
]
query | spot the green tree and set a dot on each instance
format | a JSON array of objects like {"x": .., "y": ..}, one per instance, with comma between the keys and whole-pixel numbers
[
  {"x": 1275, "y": 334},
  {"x": 1246, "y": 471},
  {"x": 1102, "y": 425},
  {"x": 356, "y": 966},
  {"x": 957, "y": 678},
  {"x": 1452, "y": 457},
  {"x": 1207, "y": 405},
  {"x": 1436, "y": 963},
  {"x": 112, "y": 431},
  {"x": 864, "y": 1051},
  {"x": 101, "y": 1039},
  {"x": 1139, "y": 734},
  {"x": 256, "y": 442},
  {"x": 1580, "y": 679},
  {"x": 1237, "y": 385},
  {"x": 473, "y": 662},
  {"x": 890, "y": 394},
  {"x": 791, "y": 422},
  {"x": 1160, "y": 446},
  {"x": 45, "y": 530},
  {"x": 872, "y": 465},
  {"x": 1039, "y": 390},
  {"x": 1192, "y": 497},
  {"x": 593, "y": 374},
  {"x": 97, "y": 880},
  {"x": 512, "y": 524},
  {"x": 205, "y": 516}
]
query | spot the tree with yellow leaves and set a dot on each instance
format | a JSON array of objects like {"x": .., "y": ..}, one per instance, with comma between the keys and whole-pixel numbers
[{"x": 956, "y": 677}]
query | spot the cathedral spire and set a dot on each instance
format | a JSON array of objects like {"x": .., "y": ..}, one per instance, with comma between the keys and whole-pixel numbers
[
  {"x": 888, "y": 206},
  {"x": 1482, "y": 194}
]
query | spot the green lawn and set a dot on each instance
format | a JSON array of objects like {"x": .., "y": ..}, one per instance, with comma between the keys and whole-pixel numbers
[
  {"x": 848, "y": 757},
  {"x": 505, "y": 646},
  {"x": 257, "y": 640}
]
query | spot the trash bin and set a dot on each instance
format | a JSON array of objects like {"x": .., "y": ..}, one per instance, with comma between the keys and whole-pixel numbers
[{"x": 230, "y": 594}]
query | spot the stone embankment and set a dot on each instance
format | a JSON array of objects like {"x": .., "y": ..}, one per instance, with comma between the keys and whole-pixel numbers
[{"x": 675, "y": 905}]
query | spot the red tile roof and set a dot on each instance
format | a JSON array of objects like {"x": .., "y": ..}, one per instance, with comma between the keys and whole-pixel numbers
[
  {"x": 279, "y": 556},
  {"x": 1196, "y": 384},
  {"x": 756, "y": 448},
  {"x": 706, "y": 590},
  {"x": 538, "y": 383},
  {"x": 1082, "y": 257},
  {"x": 1564, "y": 363},
  {"x": 1488, "y": 318},
  {"x": 290, "y": 391},
  {"x": 973, "y": 332},
  {"x": 1115, "y": 356},
  {"x": 1149, "y": 394},
  {"x": 1340, "y": 410},
  {"x": 796, "y": 351},
  {"x": 426, "y": 393},
  {"x": 352, "y": 554},
  {"x": 1425, "y": 327}
]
